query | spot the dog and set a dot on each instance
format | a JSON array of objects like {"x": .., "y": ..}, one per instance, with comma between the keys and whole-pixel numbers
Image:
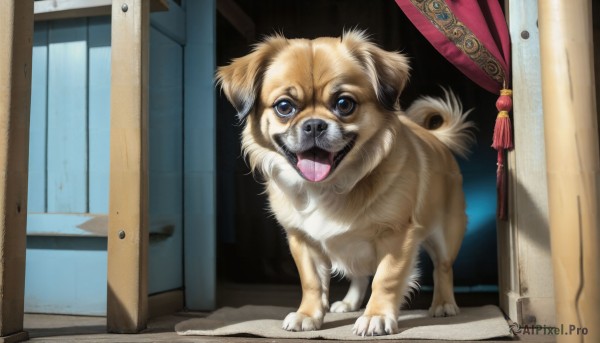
[{"x": 358, "y": 184}]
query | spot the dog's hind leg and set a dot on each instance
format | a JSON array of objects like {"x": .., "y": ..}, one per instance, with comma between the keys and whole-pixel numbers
[{"x": 354, "y": 297}]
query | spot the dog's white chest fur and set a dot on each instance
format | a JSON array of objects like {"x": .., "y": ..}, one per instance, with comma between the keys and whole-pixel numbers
[
  {"x": 347, "y": 243},
  {"x": 351, "y": 252},
  {"x": 351, "y": 255}
]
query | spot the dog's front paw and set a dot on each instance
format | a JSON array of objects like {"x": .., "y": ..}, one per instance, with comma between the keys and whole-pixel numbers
[
  {"x": 378, "y": 325},
  {"x": 297, "y": 321},
  {"x": 342, "y": 306},
  {"x": 444, "y": 310}
]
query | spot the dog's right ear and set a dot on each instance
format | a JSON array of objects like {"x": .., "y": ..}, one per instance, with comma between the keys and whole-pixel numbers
[
  {"x": 241, "y": 79},
  {"x": 388, "y": 71}
]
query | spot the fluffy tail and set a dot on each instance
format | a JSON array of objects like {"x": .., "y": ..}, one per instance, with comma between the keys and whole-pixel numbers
[{"x": 444, "y": 118}]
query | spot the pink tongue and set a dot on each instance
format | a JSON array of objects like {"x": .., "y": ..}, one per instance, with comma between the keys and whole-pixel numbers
[{"x": 315, "y": 165}]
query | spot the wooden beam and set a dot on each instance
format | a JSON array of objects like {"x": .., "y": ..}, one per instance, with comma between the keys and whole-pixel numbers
[
  {"x": 53, "y": 10},
  {"x": 199, "y": 159},
  {"x": 236, "y": 16},
  {"x": 525, "y": 261},
  {"x": 573, "y": 162},
  {"x": 63, "y": 9},
  {"x": 127, "y": 301},
  {"x": 16, "y": 39}
]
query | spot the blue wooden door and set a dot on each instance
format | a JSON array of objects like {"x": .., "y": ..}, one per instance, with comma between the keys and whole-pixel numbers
[
  {"x": 68, "y": 179},
  {"x": 69, "y": 165}
]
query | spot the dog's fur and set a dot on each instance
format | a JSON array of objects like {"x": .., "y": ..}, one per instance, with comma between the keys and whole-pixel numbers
[{"x": 398, "y": 186}]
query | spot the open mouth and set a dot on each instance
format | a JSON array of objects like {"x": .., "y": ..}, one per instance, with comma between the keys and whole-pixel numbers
[{"x": 316, "y": 164}]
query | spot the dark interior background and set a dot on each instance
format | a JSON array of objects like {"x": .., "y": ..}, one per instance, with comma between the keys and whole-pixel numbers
[{"x": 252, "y": 247}]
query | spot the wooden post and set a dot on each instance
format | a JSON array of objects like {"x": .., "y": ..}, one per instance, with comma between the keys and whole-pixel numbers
[
  {"x": 127, "y": 310},
  {"x": 573, "y": 162},
  {"x": 524, "y": 257},
  {"x": 16, "y": 39},
  {"x": 199, "y": 156}
]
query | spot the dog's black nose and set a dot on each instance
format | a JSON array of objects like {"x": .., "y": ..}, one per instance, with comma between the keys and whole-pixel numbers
[{"x": 314, "y": 127}]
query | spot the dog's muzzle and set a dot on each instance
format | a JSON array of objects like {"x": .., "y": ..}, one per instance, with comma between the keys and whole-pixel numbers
[{"x": 315, "y": 148}]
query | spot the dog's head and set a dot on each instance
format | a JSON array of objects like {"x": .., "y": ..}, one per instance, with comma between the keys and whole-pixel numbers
[{"x": 316, "y": 106}]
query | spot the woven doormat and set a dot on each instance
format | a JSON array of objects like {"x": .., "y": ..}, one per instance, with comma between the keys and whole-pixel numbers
[{"x": 473, "y": 323}]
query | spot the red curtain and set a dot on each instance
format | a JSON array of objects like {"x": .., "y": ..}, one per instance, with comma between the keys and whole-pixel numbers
[{"x": 473, "y": 36}]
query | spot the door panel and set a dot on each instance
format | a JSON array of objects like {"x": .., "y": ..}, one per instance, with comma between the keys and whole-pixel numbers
[
  {"x": 68, "y": 178},
  {"x": 67, "y": 116},
  {"x": 66, "y": 275},
  {"x": 69, "y": 158},
  {"x": 99, "y": 113}
]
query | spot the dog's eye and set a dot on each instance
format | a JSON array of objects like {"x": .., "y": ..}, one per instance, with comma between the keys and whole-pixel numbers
[
  {"x": 284, "y": 108},
  {"x": 344, "y": 106}
]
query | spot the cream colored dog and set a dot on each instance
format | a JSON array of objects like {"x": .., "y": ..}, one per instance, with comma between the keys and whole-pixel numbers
[{"x": 357, "y": 184}]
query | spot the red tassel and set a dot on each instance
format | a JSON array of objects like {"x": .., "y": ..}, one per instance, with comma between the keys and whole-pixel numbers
[
  {"x": 502, "y": 141},
  {"x": 502, "y": 130}
]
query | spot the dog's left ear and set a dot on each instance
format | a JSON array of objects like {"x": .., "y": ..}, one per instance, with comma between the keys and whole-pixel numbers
[
  {"x": 240, "y": 80},
  {"x": 388, "y": 71}
]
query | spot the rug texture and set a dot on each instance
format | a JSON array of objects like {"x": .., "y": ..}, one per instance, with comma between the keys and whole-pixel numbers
[{"x": 473, "y": 323}]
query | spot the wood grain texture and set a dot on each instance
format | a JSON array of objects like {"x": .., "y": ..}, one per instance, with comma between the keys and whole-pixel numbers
[
  {"x": 36, "y": 197},
  {"x": 16, "y": 38},
  {"x": 67, "y": 116},
  {"x": 572, "y": 160},
  {"x": 66, "y": 252},
  {"x": 524, "y": 244},
  {"x": 127, "y": 302},
  {"x": 99, "y": 113},
  {"x": 64, "y": 9},
  {"x": 66, "y": 274}
]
